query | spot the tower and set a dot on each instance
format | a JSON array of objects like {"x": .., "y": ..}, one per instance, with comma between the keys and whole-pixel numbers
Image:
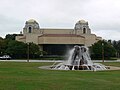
[
  {"x": 31, "y": 26},
  {"x": 81, "y": 27}
]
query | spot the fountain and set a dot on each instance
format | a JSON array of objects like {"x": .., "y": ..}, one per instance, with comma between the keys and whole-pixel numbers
[{"x": 79, "y": 59}]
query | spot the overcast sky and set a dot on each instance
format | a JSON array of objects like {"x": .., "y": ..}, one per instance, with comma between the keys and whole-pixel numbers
[{"x": 103, "y": 15}]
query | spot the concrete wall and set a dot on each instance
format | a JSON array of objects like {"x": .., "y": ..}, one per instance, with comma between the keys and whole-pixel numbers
[
  {"x": 61, "y": 40},
  {"x": 21, "y": 38},
  {"x": 56, "y": 31}
]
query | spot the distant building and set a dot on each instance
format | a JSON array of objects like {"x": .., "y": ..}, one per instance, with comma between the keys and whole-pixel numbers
[{"x": 56, "y": 41}]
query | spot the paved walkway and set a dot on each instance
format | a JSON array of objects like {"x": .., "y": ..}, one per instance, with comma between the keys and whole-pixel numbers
[
  {"x": 111, "y": 67},
  {"x": 54, "y": 60},
  {"x": 31, "y": 61},
  {"x": 114, "y": 68}
]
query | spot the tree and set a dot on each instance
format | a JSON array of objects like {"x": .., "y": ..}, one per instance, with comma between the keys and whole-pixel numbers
[
  {"x": 116, "y": 45},
  {"x": 2, "y": 46},
  {"x": 16, "y": 49},
  {"x": 98, "y": 48},
  {"x": 12, "y": 36},
  {"x": 33, "y": 50}
]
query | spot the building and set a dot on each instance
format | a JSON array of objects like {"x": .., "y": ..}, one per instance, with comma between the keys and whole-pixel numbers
[{"x": 56, "y": 41}]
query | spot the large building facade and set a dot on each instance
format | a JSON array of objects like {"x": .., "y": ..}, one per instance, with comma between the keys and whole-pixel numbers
[{"x": 56, "y": 41}]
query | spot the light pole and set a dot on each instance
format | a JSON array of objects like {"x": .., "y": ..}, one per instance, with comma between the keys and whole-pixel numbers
[
  {"x": 102, "y": 52},
  {"x": 28, "y": 52}
]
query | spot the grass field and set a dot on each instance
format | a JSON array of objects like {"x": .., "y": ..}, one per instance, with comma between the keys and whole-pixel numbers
[{"x": 27, "y": 76}]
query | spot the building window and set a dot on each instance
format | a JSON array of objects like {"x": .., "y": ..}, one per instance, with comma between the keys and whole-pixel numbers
[
  {"x": 29, "y": 29},
  {"x": 84, "y": 30}
]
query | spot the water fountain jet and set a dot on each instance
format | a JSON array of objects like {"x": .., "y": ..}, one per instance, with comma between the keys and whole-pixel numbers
[{"x": 79, "y": 59}]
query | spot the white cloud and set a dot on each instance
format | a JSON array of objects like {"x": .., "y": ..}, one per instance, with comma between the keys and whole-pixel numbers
[
  {"x": 102, "y": 15},
  {"x": 109, "y": 34}
]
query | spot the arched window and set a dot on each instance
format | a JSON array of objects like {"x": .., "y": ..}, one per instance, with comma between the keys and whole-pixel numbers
[
  {"x": 84, "y": 30},
  {"x": 29, "y": 29}
]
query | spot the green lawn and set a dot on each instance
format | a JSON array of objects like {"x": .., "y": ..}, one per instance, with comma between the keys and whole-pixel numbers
[{"x": 27, "y": 76}]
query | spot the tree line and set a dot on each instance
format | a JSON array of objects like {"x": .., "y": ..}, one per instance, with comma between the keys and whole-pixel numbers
[
  {"x": 105, "y": 49},
  {"x": 102, "y": 50},
  {"x": 19, "y": 50},
  {"x": 16, "y": 49}
]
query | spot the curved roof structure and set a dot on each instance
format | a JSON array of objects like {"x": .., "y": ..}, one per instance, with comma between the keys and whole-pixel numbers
[
  {"x": 31, "y": 20},
  {"x": 82, "y": 21}
]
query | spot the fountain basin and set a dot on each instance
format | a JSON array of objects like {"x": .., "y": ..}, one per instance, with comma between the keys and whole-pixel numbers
[{"x": 79, "y": 59}]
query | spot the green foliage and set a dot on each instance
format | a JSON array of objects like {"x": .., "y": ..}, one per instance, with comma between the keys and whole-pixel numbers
[
  {"x": 10, "y": 36},
  {"x": 116, "y": 44},
  {"x": 34, "y": 50},
  {"x": 16, "y": 49},
  {"x": 102, "y": 48},
  {"x": 19, "y": 50},
  {"x": 3, "y": 46}
]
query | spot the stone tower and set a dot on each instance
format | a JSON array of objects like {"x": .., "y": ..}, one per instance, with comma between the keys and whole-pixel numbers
[
  {"x": 81, "y": 27},
  {"x": 31, "y": 26}
]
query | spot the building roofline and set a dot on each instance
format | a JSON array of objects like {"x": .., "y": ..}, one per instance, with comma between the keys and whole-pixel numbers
[
  {"x": 56, "y": 29},
  {"x": 61, "y": 35}
]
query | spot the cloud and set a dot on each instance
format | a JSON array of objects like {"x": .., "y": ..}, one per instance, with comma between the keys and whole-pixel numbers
[
  {"x": 102, "y": 15},
  {"x": 109, "y": 34}
]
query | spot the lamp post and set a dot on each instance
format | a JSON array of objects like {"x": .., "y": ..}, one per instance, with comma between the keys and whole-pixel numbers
[
  {"x": 102, "y": 52},
  {"x": 28, "y": 51}
]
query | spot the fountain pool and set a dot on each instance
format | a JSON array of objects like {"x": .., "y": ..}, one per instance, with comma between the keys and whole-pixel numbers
[{"x": 79, "y": 59}]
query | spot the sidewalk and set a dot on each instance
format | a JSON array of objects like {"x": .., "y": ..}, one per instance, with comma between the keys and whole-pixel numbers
[{"x": 54, "y": 60}]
